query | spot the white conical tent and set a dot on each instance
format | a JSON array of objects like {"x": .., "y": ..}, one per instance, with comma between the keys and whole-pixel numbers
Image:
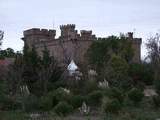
[{"x": 72, "y": 67}]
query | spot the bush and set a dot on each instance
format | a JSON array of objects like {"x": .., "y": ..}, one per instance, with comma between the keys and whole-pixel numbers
[
  {"x": 61, "y": 95},
  {"x": 111, "y": 105},
  {"x": 6, "y": 103},
  {"x": 76, "y": 101},
  {"x": 115, "y": 93},
  {"x": 95, "y": 97},
  {"x": 46, "y": 103},
  {"x": 31, "y": 103},
  {"x": 157, "y": 85},
  {"x": 135, "y": 95},
  {"x": 141, "y": 73},
  {"x": 63, "y": 109},
  {"x": 90, "y": 85},
  {"x": 156, "y": 101}
]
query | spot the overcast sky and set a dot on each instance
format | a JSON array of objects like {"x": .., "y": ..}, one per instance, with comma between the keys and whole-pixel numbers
[{"x": 104, "y": 17}]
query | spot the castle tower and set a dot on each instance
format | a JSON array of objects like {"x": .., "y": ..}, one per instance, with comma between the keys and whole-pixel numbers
[
  {"x": 68, "y": 31},
  {"x": 136, "y": 44},
  {"x": 38, "y": 36}
]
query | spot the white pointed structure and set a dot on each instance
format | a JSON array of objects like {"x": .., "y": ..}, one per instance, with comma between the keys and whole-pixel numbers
[{"x": 72, "y": 67}]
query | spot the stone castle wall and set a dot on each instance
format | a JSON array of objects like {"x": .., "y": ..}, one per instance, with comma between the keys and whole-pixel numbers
[{"x": 70, "y": 45}]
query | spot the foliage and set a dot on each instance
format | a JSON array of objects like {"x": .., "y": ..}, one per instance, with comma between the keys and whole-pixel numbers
[
  {"x": 90, "y": 86},
  {"x": 135, "y": 95},
  {"x": 95, "y": 97},
  {"x": 77, "y": 100},
  {"x": 63, "y": 108},
  {"x": 31, "y": 103},
  {"x": 8, "y": 53},
  {"x": 115, "y": 93},
  {"x": 6, "y": 103},
  {"x": 101, "y": 50},
  {"x": 111, "y": 105},
  {"x": 157, "y": 85},
  {"x": 51, "y": 73},
  {"x": 141, "y": 73},
  {"x": 62, "y": 95},
  {"x": 46, "y": 103},
  {"x": 153, "y": 47},
  {"x": 13, "y": 115},
  {"x": 31, "y": 62},
  {"x": 156, "y": 101},
  {"x": 116, "y": 73},
  {"x": 40, "y": 73}
]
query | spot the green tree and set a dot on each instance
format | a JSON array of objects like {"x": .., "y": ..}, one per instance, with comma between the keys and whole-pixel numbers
[
  {"x": 50, "y": 72},
  {"x": 153, "y": 46},
  {"x": 31, "y": 62},
  {"x": 7, "y": 53},
  {"x": 141, "y": 73},
  {"x": 116, "y": 72},
  {"x": 102, "y": 50}
]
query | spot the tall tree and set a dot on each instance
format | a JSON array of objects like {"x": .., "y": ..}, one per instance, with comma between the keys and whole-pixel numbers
[
  {"x": 153, "y": 47},
  {"x": 31, "y": 62},
  {"x": 50, "y": 72}
]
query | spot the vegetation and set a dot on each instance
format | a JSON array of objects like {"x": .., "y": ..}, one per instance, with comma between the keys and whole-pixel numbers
[
  {"x": 36, "y": 83},
  {"x": 135, "y": 95},
  {"x": 63, "y": 108},
  {"x": 111, "y": 106}
]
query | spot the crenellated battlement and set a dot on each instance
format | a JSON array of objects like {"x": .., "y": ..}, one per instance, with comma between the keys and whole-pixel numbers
[
  {"x": 37, "y": 31},
  {"x": 86, "y": 33},
  {"x": 68, "y": 26}
]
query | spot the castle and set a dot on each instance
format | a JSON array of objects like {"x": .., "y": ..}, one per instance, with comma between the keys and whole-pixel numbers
[{"x": 70, "y": 45}]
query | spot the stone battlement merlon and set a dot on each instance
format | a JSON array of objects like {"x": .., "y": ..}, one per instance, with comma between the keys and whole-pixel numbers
[
  {"x": 68, "y": 26},
  {"x": 37, "y": 31},
  {"x": 85, "y": 33}
]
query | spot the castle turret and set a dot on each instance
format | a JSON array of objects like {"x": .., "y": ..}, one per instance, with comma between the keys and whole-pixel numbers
[
  {"x": 136, "y": 45},
  {"x": 68, "y": 31}
]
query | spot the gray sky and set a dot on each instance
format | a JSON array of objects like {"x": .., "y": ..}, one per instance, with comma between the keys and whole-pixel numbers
[{"x": 104, "y": 17}]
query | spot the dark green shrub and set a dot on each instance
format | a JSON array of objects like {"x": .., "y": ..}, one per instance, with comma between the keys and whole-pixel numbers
[
  {"x": 63, "y": 108},
  {"x": 115, "y": 93},
  {"x": 76, "y": 101},
  {"x": 95, "y": 97},
  {"x": 135, "y": 95},
  {"x": 31, "y": 103},
  {"x": 61, "y": 95},
  {"x": 156, "y": 101},
  {"x": 141, "y": 73},
  {"x": 111, "y": 106},
  {"x": 6, "y": 103},
  {"x": 157, "y": 85},
  {"x": 46, "y": 103},
  {"x": 90, "y": 85}
]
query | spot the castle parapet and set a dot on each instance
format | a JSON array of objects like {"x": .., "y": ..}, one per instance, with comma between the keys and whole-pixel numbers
[
  {"x": 87, "y": 35},
  {"x": 68, "y": 26},
  {"x": 39, "y": 32},
  {"x": 130, "y": 35}
]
